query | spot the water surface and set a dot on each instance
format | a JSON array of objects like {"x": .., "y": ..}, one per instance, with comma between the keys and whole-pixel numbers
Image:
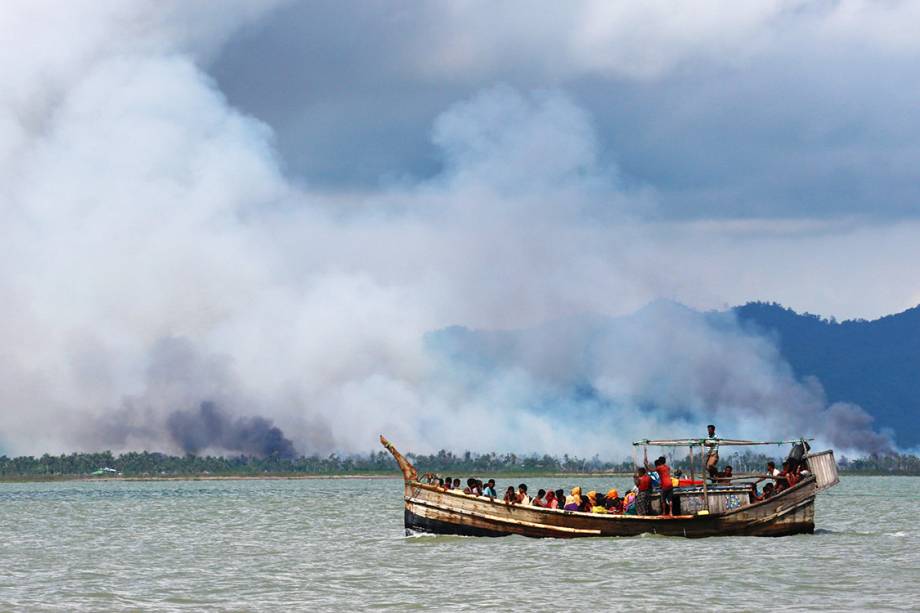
[{"x": 338, "y": 544}]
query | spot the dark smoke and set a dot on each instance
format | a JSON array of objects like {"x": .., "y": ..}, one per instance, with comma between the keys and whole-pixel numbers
[
  {"x": 209, "y": 426},
  {"x": 848, "y": 426}
]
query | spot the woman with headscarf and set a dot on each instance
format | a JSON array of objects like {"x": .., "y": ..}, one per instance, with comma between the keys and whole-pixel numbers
[
  {"x": 629, "y": 504},
  {"x": 595, "y": 503},
  {"x": 573, "y": 502},
  {"x": 614, "y": 502},
  {"x": 551, "y": 502}
]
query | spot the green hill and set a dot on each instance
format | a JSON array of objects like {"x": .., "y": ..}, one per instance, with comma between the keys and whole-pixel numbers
[{"x": 875, "y": 364}]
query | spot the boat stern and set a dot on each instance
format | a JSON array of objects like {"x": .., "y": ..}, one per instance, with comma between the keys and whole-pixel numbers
[{"x": 824, "y": 467}]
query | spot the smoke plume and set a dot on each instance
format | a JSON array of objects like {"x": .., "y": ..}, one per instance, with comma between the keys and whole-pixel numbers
[
  {"x": 159, "y": 259},
  {"x": 210, "y": 428}
]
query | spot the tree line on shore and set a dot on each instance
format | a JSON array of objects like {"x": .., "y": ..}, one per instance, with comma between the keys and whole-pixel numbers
[{"x": 155, "y": 464}]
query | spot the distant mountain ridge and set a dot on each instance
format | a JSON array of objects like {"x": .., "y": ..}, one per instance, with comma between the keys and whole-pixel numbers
[{"x": 875, "y": 364}]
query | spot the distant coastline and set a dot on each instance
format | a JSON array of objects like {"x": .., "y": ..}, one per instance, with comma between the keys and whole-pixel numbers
[
  {"x": 312, "y": 477},
  {"x": 154, "y": 466},
  {"x": 395, "y": 474}
]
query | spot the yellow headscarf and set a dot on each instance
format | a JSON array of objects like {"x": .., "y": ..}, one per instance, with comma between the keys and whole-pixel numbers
[
  {"x": 592, "y": 498},
  {"x": 576, "y": 495},
  {"x": 612, "y": 493}
]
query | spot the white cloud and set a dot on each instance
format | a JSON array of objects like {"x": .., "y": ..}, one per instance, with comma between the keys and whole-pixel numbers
[
  {"x": 647, "y": 40},
  {"x": 157, "y": 257}
]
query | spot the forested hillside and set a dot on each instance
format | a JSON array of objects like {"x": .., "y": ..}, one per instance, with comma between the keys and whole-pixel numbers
[{"x": 875, "y": 364}]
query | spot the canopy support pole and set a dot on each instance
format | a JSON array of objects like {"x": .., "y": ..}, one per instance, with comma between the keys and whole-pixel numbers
[
  {"x": 692, "y": 478},
  {"x": 705, "y": 489}
]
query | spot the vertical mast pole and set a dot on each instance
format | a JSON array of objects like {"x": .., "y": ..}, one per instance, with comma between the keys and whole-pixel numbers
[
  {"x": 691, "y": 464},
  {"x": 703, "y": 476}
]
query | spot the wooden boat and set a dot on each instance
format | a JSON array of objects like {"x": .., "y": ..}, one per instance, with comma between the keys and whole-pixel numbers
[{"x": 710, "y": 510}]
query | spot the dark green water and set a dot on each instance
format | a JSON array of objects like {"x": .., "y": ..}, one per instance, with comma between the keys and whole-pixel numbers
[{"x": 338, "y": 545}]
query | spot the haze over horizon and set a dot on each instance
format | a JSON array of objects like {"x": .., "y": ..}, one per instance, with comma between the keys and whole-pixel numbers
[{"x": 272, "y": 209}]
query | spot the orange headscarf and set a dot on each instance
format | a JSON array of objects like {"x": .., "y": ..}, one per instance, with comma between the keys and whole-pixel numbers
[{"x": 576, "y": 496}]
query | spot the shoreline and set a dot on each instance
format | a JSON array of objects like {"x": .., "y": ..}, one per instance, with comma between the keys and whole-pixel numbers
[{"x": 277, "y": 477}]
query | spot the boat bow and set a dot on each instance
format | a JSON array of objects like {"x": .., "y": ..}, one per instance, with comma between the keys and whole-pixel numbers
[{"x": 408, "y": 470}]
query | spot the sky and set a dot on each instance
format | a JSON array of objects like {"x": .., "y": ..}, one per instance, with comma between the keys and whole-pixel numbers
[
  {"x": 270, "y": 207},
  {"x": 775, "y": 143}
]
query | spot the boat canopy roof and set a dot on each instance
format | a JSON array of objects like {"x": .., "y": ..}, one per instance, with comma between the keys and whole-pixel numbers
[{"x": 700, "y": 442}]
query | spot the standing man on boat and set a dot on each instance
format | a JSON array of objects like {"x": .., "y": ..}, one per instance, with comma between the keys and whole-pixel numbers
[
  {"x": 667, "y": 487},
  {"x": 712, "y": 459},
  {"x": 644, "y": 495}
]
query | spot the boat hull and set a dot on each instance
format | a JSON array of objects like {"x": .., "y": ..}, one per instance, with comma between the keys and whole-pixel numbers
[
  {"x": 431, "y": 510},
  {"x": 725, "y": 511}
]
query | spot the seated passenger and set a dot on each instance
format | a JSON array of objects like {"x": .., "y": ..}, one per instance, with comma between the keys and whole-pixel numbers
[
  {"x": 767, "y": 491},
  {"x": 456, "y": 485},
  {"x": 539, "y": 501},
  {"x": 614, "y": 502},
  {"x": 629, "y": 503},
  {"x": 771, "y": 469},
  {"x": 522, "y": 496},
  {"x": 469, "y": 486},
  {"x": 787, "y": 476},
  {"x": 573, "y": 502},
  {"x": 725, "y": 476},
  {"x": 489, "y": 489},
  {"x": 477, "y": 487},
  {"x": 551, "y": 502},
  {"x": 560, "y": 498},
  {"x": 510, "y": 495},
  {"x": 599, "y": 503}
]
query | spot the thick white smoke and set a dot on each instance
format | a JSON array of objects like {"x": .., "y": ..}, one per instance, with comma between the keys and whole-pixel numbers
[{"x": 157, "y": 259}]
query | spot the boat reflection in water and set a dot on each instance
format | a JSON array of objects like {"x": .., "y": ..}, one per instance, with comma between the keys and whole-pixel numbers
[{"x": 707, "y": 510}]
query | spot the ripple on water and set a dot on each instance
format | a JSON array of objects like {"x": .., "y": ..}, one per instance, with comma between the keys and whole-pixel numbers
[{"x": 339, "y": 545}]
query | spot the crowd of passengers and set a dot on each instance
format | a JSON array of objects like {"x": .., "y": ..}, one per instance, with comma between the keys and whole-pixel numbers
[
  {"x": 636, "y": 501},
  {"x": 648, "y": 479},
  {"x": 590, "y": 502}
]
